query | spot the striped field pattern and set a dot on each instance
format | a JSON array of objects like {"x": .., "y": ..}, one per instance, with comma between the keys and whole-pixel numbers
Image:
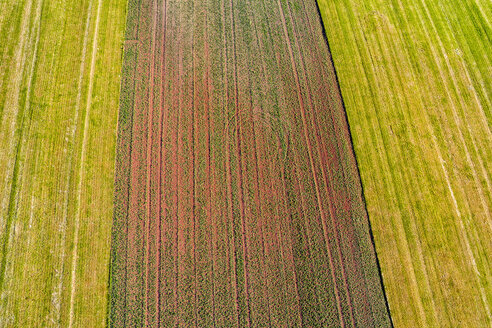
[
  {"x": 60, "y": 64},
  {"x": 416, "y": 78},
  {"x": 237, "y": 197}
]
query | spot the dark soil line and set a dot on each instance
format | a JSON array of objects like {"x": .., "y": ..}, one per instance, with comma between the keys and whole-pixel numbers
[{"x": 325, "y": 37}]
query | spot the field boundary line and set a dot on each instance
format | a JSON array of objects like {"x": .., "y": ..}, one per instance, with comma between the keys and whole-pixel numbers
[
  {"x": 401, "y": 238},
  {"x": 326, "y": 170},
  {"x": 310, "y": 152}
]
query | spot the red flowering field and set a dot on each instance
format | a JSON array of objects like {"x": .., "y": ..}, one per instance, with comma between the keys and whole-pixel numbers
[{"x": 238, "y": 200}]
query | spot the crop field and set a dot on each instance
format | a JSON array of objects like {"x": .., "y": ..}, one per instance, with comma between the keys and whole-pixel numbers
[
  {"x": 60, "y": 64},
  {"x": 238, "y": 201},
  {"x": 233, "y": 163},
  {"x": 416, "y": 78}
]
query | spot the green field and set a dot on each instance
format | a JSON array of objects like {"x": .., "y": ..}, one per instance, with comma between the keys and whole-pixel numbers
[
  {"x": 60, "y": 64},
  {"x": 416, "y": 78}
]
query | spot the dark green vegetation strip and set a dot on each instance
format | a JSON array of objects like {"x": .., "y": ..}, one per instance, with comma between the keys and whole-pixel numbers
[{"x": 237, "y": 197}]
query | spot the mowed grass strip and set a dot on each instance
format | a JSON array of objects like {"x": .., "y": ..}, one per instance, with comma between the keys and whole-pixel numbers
[
  {"x": 60, "y": 65},
  {"x": 416, "y": 78}
]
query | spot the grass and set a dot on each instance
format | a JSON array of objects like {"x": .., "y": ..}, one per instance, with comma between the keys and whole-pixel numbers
[
  {"x": 416, "y": 78},
  {"x": 60, "y": 68}
]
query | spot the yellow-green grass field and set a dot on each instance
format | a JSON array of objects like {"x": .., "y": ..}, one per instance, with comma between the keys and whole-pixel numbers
[
  {"x": 416, "y": 78},
  {"x": 60, "y": 64}
]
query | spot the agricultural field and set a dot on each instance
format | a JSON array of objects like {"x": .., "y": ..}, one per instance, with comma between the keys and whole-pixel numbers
[
  {"x": 60, "y": 64},
  {"x": 192, "y": 163},
  {"x": 416, "y": 78},
  {"x": 237, "y": 197}
]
